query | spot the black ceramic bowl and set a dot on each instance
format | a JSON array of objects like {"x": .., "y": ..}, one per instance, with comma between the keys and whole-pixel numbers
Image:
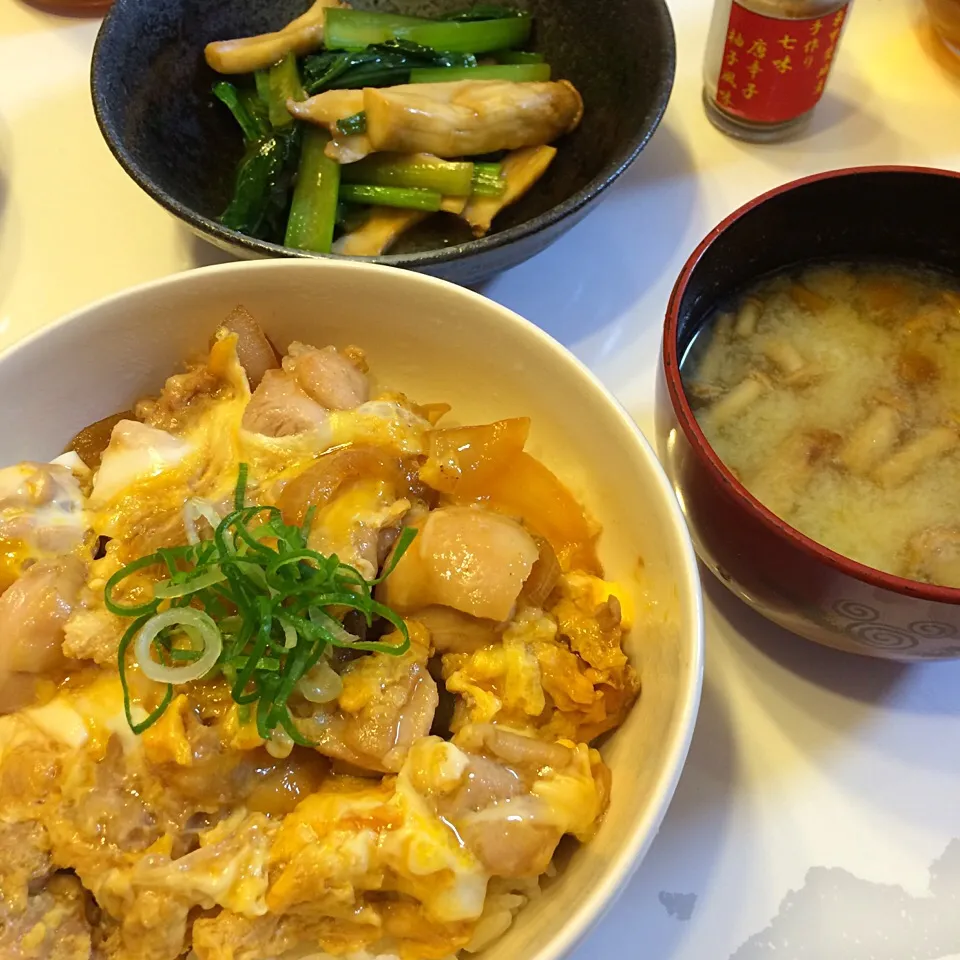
[{"x": 151, "y": 95}]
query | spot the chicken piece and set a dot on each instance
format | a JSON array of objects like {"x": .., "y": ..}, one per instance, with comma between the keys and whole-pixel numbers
[
  {"x": 454, "y": 632},
  {"x": 916, "y": 454},
  {"x": 327, "y": 376},
  {"x": 466, "y": 558},
  {"x": 780, "y": 482},
  {"x": 41, "y": 512},
  {"x": 24, "y": 862},
  {"x": 54, "y": 925},
  {"x": 379, "y": 231},
  {"x": 521, "y": 170},
  {"x": 351, "y": 525},
  {"x": 185, "y": 396},
  {"x": 247, "y": 54},
  {"x": 279, "y": 408},
  {"x": 325, "y": 109},
  {"x": 470, "y": 117},
  {"x": 334, "y": 472},
  {"x": 387, "y": 703},
  {"x": 33, "y": 612},
  {"x": 254, "y": 351},
  {"x": 934, "y": 556},
  {"x": 519, "y": 795},
  {"x": 871, "y": 440}
]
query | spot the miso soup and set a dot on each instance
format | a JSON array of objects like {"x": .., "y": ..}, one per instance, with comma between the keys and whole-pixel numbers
[{"x": 833, "y": 394}]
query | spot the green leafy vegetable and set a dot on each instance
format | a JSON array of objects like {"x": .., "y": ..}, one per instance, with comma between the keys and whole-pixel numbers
[
  {"x": 517, "y": 56},
  {"x": 488, "y": 180},
  {"x": 409, "y": 198},
  {"x": 452, "y": 179},
  {"x": 253, "y": 122},
  {"x": 356, "y": 29},
  {"x": 313, "y": 212},
  {"x": 379, "y": 65},
  {"x": 485, "y": 11},
  {"x": 273, "y": 600},
  {"x": 354, "y": 124},
  {"x": 261, "y": 193},
  {"x": 278, "y": 85},
  {"x": 515, "y": 72}
]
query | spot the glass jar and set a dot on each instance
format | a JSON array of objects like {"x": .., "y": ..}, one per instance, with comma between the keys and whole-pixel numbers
[{"x": 767, "y": 64}]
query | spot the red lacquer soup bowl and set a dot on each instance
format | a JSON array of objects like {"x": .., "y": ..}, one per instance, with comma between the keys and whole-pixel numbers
[{"x": 887, "y": 214}]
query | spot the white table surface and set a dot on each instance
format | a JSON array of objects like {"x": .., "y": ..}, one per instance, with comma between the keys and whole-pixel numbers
[{"x": 819, "y": 813}]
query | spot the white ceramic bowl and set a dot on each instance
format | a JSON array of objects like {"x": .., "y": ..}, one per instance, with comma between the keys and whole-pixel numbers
[{"x": 436, "y": 342}]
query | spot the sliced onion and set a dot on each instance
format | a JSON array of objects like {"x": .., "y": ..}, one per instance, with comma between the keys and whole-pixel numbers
[
  {"x": 193, "y": 510},
  {"x": 321, "y": 685},
  {"x": 544, "y": 575},
  {"x": 289, "y": 635},
  {"x": 186, "y": 617},
  {"x": 168, "y": 590}
]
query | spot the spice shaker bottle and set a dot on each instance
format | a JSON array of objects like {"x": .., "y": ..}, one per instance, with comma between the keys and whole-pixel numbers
[{"x": 768, "y": 62}]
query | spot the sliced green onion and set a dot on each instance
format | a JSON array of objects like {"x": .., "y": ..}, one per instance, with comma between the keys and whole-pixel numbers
[
  {"x": 188, "y": 585},
  {"x": 356, "y": 29},
  {"x": 178, "y": 617},
  {"x": 423, "y": 170},
  {"x": 411, "y": 198},
  {"x": 515, "y": 72},
  {"x": 261, "y": 615}
]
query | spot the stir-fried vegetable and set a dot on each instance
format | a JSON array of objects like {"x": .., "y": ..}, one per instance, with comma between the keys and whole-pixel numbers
[
  {"x": 314, "y": 208},
  {"x": 254, "y": 604},
  {"x": 516, "y": 72},
  {"x": 413, "y": 198},
  {"x": 413, "y": 170},
  {"x": 356, "y": 29},
  {"x": 378, "y": 65},
  {"x": 395, "y": 112}
]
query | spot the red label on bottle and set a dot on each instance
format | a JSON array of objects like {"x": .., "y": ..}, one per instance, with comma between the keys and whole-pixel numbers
[{"x": 774, "y": 70}]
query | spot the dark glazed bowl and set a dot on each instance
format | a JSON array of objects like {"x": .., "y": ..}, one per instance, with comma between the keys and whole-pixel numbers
[
  {"x": 151, "y": 95},
  {"x": 903, "y": 214}
]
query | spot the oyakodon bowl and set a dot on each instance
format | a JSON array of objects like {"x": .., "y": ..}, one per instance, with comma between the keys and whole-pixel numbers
[
  {"x": 152, "y": 98},
  {"x": 433, "y": 341},
  {"x": 883, "y": 214}
]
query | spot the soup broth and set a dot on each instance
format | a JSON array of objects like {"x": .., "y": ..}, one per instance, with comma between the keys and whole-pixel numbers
[{"x": 833, "y": 394}]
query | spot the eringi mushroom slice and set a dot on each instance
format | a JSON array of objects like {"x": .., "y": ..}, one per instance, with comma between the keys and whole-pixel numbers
[
  {"x": 470, "y": 117},
  {"x": 247, "y": 54},
  {"x": 521, "y": 169}
]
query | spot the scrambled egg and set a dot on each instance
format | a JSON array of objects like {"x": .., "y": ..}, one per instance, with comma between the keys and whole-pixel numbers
[{"x": 196, "y": 834}]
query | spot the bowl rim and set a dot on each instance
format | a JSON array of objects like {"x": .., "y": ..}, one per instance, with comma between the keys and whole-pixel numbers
[
  {"x": 644, "y": 826},
  {"x": 719, "y": 472},
  {"x": 623, "y": 157}
]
